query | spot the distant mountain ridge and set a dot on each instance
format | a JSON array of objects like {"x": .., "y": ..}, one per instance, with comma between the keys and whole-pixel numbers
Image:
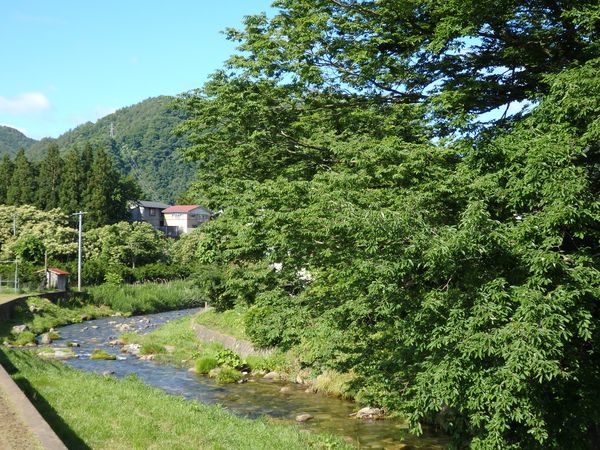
[
  {"x": 141, "y": 142},
  {"x": 11, "y": 140}
]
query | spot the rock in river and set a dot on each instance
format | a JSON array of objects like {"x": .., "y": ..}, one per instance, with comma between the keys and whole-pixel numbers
[{"x": 303, "y": 418}]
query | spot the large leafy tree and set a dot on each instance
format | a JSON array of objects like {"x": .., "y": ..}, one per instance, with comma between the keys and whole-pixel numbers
[
  {"x": 458, "y": 279},
  {"x": 467, "y": 57}
]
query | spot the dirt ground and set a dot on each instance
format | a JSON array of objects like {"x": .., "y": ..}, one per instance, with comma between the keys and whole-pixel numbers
[{"x": 14, "y": 435}]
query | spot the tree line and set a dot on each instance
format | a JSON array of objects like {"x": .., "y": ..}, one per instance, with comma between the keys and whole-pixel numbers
[{"x": 81, "y": 180}]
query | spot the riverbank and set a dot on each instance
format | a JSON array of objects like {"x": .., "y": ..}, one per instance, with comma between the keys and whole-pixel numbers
[{"x": 93, "y": 411}]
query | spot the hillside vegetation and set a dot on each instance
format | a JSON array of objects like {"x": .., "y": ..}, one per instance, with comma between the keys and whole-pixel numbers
[
  {"x": 11, "y": 140},
  {"x": 142, "y": 145}
]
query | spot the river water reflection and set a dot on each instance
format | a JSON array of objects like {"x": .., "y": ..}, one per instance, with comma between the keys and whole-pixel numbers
[{"x": 253, "y": 399}]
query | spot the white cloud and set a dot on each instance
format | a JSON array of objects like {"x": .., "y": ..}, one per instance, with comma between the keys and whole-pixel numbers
[{"x": 24, "y": 104}]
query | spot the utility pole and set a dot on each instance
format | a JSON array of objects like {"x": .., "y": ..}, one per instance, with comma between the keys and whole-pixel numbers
[
  {"x": 79, "y": 248},
  {"x": 16, "y": 274}
]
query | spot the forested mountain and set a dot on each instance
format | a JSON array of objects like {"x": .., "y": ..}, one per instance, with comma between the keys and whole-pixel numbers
[
  {"x": 142, "y": 144},
  {"x": 11, "y": 140}
]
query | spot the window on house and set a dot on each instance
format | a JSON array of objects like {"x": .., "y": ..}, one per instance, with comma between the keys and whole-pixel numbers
[{"x": 152, "y": 211}]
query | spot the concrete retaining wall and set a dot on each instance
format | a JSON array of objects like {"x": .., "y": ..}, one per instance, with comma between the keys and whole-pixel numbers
[
  {"x": 239, "y": 346},
  {"x": 27, "y": 414}
]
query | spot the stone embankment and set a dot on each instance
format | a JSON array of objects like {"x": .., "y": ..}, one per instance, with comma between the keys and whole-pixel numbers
[{"x": 239, "y": 346}]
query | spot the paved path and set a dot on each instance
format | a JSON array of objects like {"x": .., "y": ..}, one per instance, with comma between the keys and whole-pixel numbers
[{"x": 21, "y": 425}]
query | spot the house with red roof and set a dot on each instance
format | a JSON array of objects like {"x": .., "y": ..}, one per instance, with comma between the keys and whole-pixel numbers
[{"x": 185, "y": 217}]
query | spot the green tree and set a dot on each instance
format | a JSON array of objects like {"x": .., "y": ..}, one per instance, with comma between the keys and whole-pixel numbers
[
  {"x": 22, "y": 188},
  {"x": 107, "y": 193},
  {"x": 457, "y": 279},
  {"x": 49, "y": 179},
  {"x": 72, "y": 182},
  {"x": 6, "y": 172},
  {"x": 464, "y": 57}
]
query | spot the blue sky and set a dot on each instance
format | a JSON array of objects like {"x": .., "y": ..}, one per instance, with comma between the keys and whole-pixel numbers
[{"x": 65, "y": 62}]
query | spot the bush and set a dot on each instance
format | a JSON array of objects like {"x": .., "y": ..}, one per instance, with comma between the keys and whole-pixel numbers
[
  {"x": 229, "y": 359},
  {"x": 210, "y": 282},
  {"x": 159, "y": 272},
  {"x": 225, "y": 375},
  {"x": 205, "y": 364}
]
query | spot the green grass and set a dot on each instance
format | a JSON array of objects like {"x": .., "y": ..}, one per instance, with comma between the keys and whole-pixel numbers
[
  {"x": 205, "y": 364},
  {"x": 179, "y": 341},
  {"x": 146, "y": 298},
  {"x": 91, "y": 411},
  {"x": 229, "y": 322}
]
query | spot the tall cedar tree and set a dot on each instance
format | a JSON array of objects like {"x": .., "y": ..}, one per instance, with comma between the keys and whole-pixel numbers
[
  {"x": 22, "y": 189},
  {"x": 72, "y": 185},
  {"x": 107, "y": 193},
  {"x": 6, "y": 171},
  {"x": 49, "y": 179}
]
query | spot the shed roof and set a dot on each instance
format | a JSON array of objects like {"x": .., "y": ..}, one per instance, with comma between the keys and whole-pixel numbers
[{"x": 58, "y": 271}]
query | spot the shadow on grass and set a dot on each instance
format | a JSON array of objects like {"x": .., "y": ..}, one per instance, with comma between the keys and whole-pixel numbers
[{"x": 60, "y": 427}]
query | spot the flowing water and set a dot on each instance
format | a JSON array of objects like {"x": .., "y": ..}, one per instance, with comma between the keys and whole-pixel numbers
[{"x": 252, "y": 399}]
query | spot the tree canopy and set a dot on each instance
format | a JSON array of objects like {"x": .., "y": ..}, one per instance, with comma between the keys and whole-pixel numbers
[{"x": 458, "y": 278}]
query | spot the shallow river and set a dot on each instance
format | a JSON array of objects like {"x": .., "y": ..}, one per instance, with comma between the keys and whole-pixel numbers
[{"x": 253, "y": 399}]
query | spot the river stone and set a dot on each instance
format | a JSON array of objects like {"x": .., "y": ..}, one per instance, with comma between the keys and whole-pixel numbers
[
  {"x": 368, "y": 413},
  {"x": 73, "y": 344},
  {"x": 147, "y": 357},
  {"x": 123, "y": 327},
  {"x": 133, "y": 349},
  {"x": 18, "y": 329},
  {"x": 303, "y": 418},
  {"x": 169, "y": 348},
  {"x": 116, "y": 342},
  {"x": 272, "y": 376},
  {"x": 45, "y": 339},
  {"x": 285, "y": 390},
  {"x": 58, "y": 354}
]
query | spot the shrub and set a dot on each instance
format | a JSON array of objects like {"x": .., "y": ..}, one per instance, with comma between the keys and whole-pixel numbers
[
  {"x": 205, "y": 364},
  {"x": 229, "y": 359},
  {"x": 225, "y": 375},
  {"x": 210, "y": 282}
]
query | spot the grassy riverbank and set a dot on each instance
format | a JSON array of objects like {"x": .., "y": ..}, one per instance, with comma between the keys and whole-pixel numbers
[
  {"x": 186, "y": 350},
  {"x": 91, "y": 411},
  {"x": 39, "y": 315}
]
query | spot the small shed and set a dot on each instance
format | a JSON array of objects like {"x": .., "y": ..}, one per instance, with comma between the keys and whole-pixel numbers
[{"x": 57, "y": 279}]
